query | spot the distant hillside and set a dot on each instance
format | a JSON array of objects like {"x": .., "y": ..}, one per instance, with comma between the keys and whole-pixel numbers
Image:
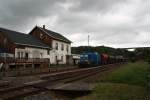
[{"x": 100, "y": 49}]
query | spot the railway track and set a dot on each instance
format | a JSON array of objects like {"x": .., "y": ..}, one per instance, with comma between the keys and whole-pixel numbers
[
  {"x": 14, "y": 93},
  {"x": 17, "y": 92}
]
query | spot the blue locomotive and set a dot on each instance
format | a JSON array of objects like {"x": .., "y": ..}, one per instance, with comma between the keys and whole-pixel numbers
[{"x": 89, "y": 59}]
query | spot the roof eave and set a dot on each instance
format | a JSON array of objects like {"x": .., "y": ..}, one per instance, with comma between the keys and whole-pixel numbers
[{"x": 33, "y": 45}]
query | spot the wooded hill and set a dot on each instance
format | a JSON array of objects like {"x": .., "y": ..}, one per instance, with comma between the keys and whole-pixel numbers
[
  {"x": 100, "y": 49},
  {"x": 138, "y": 54}
]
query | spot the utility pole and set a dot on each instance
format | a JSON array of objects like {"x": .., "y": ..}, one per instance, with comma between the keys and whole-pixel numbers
[{"x": 88, "y": 40}]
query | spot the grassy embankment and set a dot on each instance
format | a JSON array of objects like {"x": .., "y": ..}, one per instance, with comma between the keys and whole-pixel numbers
[{"x": 129, "y": 82}]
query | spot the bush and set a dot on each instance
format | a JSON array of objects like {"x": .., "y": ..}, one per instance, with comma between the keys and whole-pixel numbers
[
  {"x": 148, "y": 60},
  {"x": 148, "y": 78}
]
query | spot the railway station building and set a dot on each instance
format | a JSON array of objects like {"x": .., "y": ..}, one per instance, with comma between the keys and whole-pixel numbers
[{"x": 40, "y": 48}]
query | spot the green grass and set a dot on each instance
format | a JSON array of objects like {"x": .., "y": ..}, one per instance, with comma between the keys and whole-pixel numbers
[
  {"x": 129, "y": 82},
  {"x": 114, "y": 91},
  {"x": 132, "y": 73}
]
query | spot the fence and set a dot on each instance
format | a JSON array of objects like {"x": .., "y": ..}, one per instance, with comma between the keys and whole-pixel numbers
[
  {"x": 23, "y": 60},
  {"x": 31, "y": 71}
]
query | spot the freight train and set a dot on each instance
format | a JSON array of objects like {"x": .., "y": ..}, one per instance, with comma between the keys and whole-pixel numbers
[{"x": 94, "y": 59}]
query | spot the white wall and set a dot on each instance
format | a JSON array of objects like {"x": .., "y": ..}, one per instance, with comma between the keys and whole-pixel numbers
[
  {"x": 32, "y": 52},
  {"x": 59, "y": 52}
]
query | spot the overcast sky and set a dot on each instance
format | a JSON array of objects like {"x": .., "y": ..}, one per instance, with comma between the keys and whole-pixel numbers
[{"x": 115, "y": 23}]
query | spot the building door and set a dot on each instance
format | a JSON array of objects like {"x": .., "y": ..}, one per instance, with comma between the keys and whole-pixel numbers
[
  {"x": 26, "y": 55},
  {"x": 56, "y": 60}
]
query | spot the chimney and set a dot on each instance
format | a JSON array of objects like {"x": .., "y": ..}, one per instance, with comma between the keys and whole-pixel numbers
[{"x": 43, "y": 26}]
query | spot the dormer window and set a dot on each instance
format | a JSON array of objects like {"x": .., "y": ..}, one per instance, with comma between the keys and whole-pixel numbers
[
  {"x": 41, "y": 35},
  {"x": 5, "y": 40}
]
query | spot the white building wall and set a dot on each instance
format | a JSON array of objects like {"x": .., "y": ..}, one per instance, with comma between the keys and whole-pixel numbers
[
  {"x": 42, "y": 53},
  {"x": 59, "y": 53},
  {"x": 32, "y": 52}
]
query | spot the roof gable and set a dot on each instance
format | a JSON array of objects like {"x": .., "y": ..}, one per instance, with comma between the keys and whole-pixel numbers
[{"x": 55, "y": 35}]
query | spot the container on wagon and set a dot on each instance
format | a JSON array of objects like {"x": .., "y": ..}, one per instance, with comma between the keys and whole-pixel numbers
[{"x": 104, "y": 58}]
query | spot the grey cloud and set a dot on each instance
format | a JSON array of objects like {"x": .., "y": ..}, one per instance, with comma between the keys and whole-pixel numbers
[
  {"x": 108, "y": 22},
  {"x": 21, "y": 13},
  {"x": 95, "y": 5}
]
